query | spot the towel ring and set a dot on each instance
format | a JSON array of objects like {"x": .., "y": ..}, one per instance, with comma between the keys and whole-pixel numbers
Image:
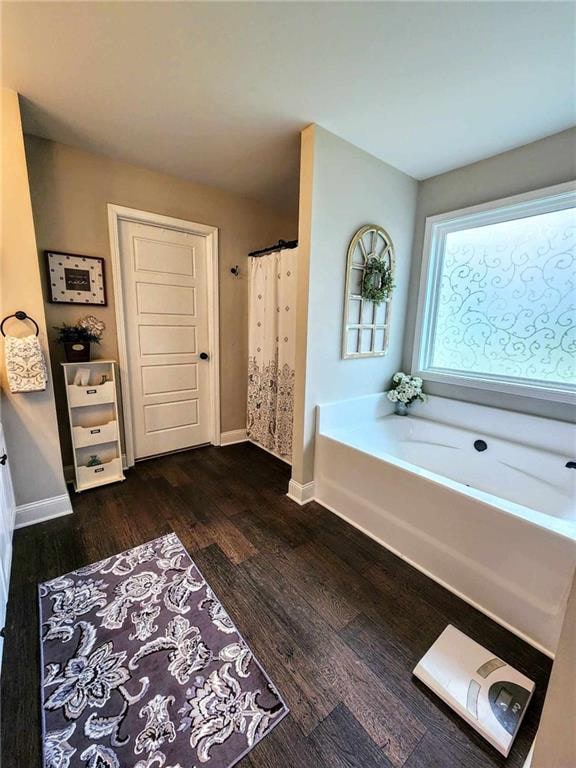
[{"x": 19, "y": 315}]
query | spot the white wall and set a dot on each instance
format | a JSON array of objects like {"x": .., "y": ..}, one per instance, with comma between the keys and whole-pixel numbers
[
  {"x": 341, "y": 189},
  {"x": 556, "y": 738},
  {"x": 533, "y": 166},
  {"x": 29, "y": 419}
]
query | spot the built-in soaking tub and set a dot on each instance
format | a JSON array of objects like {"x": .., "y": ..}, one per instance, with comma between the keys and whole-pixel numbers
[{"x": 478, "y": 498}]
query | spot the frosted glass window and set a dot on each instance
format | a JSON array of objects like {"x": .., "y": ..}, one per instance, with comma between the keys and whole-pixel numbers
[{"x": 500, "y": 303}]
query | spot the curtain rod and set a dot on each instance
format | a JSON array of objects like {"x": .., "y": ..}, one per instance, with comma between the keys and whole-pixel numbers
[{"x": 281, "y": 245}]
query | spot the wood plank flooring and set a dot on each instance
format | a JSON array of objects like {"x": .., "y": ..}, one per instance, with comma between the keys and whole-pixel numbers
[{"x": 337, "y": 621}]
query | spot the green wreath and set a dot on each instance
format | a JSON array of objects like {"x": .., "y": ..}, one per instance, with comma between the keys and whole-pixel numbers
[{"x": 377, "y": 283}]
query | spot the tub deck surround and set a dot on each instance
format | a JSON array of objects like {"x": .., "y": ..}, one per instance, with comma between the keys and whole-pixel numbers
[
  {"x": 338, "y": 621},
  {"x": 497, "y": 527},
  {"x": 530, "y": 482}
]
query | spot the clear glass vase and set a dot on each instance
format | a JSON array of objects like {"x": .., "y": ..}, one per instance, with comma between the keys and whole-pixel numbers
[{"x": 401, "y": 409}]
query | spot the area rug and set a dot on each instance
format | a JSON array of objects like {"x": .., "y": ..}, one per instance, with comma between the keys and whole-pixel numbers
[{"x": 143, "y": 668}]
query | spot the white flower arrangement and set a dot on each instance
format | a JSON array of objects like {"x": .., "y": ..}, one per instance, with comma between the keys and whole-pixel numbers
[
  {"x": 405, "y": 389},
  {"x": 92, "y": 325}
]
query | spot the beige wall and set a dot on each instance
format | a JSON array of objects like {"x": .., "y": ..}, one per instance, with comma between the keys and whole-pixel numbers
[
  {"x": 70, "y": 190},
  {"x": 29, "y": 419},
  {"x": 533, "y": 166},
  {"x": 342, "y": 188},
  {"x": 556, "y": 739}
]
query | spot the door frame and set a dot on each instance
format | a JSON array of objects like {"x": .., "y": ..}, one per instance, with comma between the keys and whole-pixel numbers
[{"x": 116, "y": 214}]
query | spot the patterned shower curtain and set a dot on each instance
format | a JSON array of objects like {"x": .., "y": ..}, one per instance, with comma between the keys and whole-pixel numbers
[{"x": 271, "y": 350}]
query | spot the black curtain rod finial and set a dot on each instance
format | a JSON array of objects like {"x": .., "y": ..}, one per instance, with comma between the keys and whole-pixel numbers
[{"x": 281, "y": 245}]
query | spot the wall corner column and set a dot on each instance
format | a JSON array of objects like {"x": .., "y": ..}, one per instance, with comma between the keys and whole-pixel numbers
[
  {"x": 29, "y": 419},
  {"x": 301, "y": 469}
]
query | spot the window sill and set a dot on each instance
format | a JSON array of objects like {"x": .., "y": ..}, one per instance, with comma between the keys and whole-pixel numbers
[{"x": 536, "y": 389}]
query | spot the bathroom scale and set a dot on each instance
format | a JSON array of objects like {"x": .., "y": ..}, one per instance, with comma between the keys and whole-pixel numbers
[{"x": 488, "y": 693}]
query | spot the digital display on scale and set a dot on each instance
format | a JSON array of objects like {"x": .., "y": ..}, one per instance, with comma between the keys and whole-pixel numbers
[
  {"x": 508, "y": 703},
  {"x": 504, "y": 698}
]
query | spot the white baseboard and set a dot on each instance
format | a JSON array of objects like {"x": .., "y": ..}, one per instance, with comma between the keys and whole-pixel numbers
[
  {"x": 301, "y": 494},
  {"x": 45, "y": 509},
  {"x": 233, "y": 437}
]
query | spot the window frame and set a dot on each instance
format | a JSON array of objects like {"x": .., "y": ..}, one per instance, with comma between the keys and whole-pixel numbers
[{"x": 547, "y": 200}]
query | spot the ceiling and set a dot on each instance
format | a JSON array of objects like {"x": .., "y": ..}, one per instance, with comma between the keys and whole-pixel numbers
[{"x": 218, "y": 92}]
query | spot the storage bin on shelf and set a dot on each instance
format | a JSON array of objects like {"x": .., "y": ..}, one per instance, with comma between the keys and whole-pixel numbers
[
  {"x": 91, "y": 395},
  {"x": 103, "y": 433},
  {"x": 87, "y": 477}
]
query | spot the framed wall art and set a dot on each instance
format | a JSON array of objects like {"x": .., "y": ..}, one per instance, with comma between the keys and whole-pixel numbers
[
  {"x": 74, "y": 279},
  {"x": 369, "y": 286}
]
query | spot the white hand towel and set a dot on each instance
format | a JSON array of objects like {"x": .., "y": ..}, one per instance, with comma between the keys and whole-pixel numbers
[{"x": 25, "y": 364}]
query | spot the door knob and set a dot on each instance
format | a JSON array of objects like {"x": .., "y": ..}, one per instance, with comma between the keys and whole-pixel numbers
[
  {"x": 3, "y": 459},
  {"x": 203, "y": 355}
]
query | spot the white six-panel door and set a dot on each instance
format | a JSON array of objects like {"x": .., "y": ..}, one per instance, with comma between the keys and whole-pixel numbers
[{"x": 164, "y": 283}]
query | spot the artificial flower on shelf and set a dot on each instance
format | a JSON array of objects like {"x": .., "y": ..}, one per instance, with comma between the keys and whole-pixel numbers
[
  {"x": 404, "y": 391},
  {"x": 92, "y": 325},
  {"x": 78, "y": 338}
]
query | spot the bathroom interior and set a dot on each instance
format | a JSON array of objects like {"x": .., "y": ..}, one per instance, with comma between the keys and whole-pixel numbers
[{"x": 325, "y": 373}]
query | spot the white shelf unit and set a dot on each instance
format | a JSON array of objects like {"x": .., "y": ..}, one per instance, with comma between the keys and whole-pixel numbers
[{"x": 94, "y": 424}]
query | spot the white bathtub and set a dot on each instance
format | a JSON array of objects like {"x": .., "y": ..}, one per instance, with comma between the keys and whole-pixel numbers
[{"x": 497, "y": 527}]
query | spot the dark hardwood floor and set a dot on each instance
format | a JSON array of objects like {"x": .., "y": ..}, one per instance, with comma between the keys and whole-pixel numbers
[{"x": 337, "y": 621}]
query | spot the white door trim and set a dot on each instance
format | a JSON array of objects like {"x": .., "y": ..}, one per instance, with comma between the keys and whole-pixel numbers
[{"x": 117, "y": 213}]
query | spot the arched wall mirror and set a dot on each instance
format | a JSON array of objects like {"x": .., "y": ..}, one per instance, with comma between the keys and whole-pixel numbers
[{"x": 366, "y": 322}]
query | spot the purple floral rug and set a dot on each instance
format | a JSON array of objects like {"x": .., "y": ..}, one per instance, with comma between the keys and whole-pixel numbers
[{"x": 143, "y": 668}]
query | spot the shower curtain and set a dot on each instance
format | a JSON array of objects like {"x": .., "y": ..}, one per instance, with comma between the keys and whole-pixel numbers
[{"x": 271, "y": 350}]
